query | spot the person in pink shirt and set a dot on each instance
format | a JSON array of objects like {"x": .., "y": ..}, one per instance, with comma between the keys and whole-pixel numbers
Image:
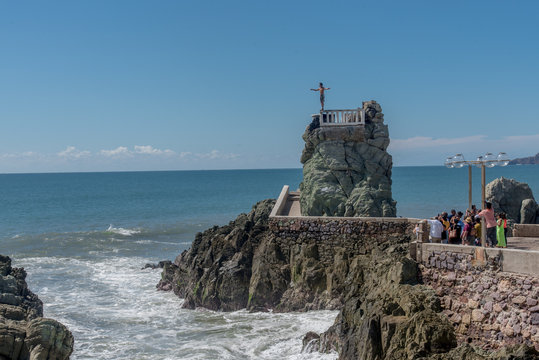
[{"x": 488, "y": 214}]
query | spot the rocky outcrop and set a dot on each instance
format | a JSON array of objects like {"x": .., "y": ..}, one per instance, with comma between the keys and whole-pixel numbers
[
  {"x": 346, "y": 169},
  {"x": 513, "y": 198},
  {"x": 385, "y": 313},
  {"x": 248, "y": 265},
  {"x": 24, "y": 332},
  {"x": 530, "y": 160},
  {"x": 216, "y": 271}
]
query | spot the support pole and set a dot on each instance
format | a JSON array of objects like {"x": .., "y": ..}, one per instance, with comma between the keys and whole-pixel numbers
[
  {"x": 483, "y": 186},
  {"x": 470, "y": 187},
  {"x": 483, "y": 206}
]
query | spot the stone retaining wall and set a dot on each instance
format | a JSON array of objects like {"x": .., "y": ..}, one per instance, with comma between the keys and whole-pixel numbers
[
  {"x": 485, "y": 304},
  {"x": 526, "y": 230},
  {"x": 354, "y": 235}
]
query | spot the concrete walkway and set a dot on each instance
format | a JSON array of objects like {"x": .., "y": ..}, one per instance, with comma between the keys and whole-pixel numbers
[{"x": 292, "y": 207}]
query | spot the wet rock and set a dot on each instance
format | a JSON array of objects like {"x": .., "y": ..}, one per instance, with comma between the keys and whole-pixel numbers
[
  {"x": 159, "y": 265},
  {"x": 311, "y": 342}
]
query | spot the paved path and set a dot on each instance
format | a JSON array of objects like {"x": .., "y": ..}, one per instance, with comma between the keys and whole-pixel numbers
[{"x": 292, "y": 207}]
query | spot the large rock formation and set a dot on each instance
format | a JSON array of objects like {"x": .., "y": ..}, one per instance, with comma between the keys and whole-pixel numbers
[
  {"x": 513, "y": 198},
  {"x": 24, "y": 332},
  {"x": 346, "y": 169}
]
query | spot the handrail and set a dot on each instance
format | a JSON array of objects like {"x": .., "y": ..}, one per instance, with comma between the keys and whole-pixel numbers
[
  {"x": 281, "y": 202},
  {"x": 342, "y": 117}
]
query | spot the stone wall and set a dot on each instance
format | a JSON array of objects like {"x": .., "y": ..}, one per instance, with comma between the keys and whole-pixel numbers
[
  {"x": 487, "y": 306},
  {"x": 355, "y": 235},
  {"x": 526, "y": 230}
]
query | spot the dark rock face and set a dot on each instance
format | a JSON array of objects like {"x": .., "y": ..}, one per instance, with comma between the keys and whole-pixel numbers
[
  {"x": 216, "y": 271},
  {"x": 346, "y": 169},
  {"x": 24, "y": 333},
  {"x": 513, "y": 198},
  {"x": 387, "y": 315}
]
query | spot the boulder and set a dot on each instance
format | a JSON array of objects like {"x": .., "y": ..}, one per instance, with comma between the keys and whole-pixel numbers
[
  {"x": 24, "y": 332},
  {"x": 346, "y": 169},
  {"x": 529, "y": 211},
  {"x": 507, "y": 195}
]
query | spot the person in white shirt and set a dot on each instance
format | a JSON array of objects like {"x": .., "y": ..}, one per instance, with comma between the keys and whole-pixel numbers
[{"x": 436, "y": 229}]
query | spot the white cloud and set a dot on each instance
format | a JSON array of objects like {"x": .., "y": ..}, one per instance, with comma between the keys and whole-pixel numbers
[
  {"x": 427, "y": 142},
  {"x": 23, "y": 155},
  {"x": 120, "y": 151},
  {"x": 432, "y": 151},
  {"x": 216, "y": 154},
  {"x": 138, "y": 157},
  {"x": 72, "y": 152},
  {"x": 149, "y": 150}
]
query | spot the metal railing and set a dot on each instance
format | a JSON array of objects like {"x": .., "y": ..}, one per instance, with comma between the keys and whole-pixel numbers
[{"x": 342, "y": 117}]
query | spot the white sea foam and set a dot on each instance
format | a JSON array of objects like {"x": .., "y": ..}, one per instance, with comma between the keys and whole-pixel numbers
[
  {"x": 114, "y": 311},
  {"x": 144, "y": 242},
  {"x": 122, "y": 231}
]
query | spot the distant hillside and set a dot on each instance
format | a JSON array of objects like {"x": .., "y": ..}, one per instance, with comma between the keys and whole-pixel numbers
[{"x": 526, "y": 160}]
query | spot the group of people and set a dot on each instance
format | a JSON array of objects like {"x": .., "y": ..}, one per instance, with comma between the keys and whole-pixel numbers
[{"x": 465, "y": 229}]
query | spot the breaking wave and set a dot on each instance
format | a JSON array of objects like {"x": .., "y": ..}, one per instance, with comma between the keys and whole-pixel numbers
[
  {"x": 122, "y": 231},
  {"x": 115, "y": 312}
]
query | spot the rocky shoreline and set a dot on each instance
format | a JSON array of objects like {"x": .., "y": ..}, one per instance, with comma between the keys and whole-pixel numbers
[
  {"x": 385, "y": 311},
  {"x": 530, "y": 160},
  {"x": 24, "y": 332}
]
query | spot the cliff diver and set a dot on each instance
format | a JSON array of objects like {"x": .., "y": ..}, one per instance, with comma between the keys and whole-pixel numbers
[{"x": 321, "y": 88}]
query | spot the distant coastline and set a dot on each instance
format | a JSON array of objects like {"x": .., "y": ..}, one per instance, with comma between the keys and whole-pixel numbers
[{"x": 530, "y": 160}]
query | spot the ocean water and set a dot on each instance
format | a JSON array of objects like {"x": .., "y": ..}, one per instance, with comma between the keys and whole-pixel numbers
[{"x": 84, "y": 237}]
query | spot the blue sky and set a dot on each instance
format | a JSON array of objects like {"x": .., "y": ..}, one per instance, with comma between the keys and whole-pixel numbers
[{"x": 172, "y": 85}]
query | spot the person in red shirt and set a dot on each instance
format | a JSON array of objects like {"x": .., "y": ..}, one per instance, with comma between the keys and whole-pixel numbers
[{"x": 488, "y": 214}]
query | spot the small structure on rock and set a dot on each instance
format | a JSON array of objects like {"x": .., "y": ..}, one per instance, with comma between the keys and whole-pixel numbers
[
  {"x": 346, "y": 168},
  {"x": 513, "y": 198}
]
